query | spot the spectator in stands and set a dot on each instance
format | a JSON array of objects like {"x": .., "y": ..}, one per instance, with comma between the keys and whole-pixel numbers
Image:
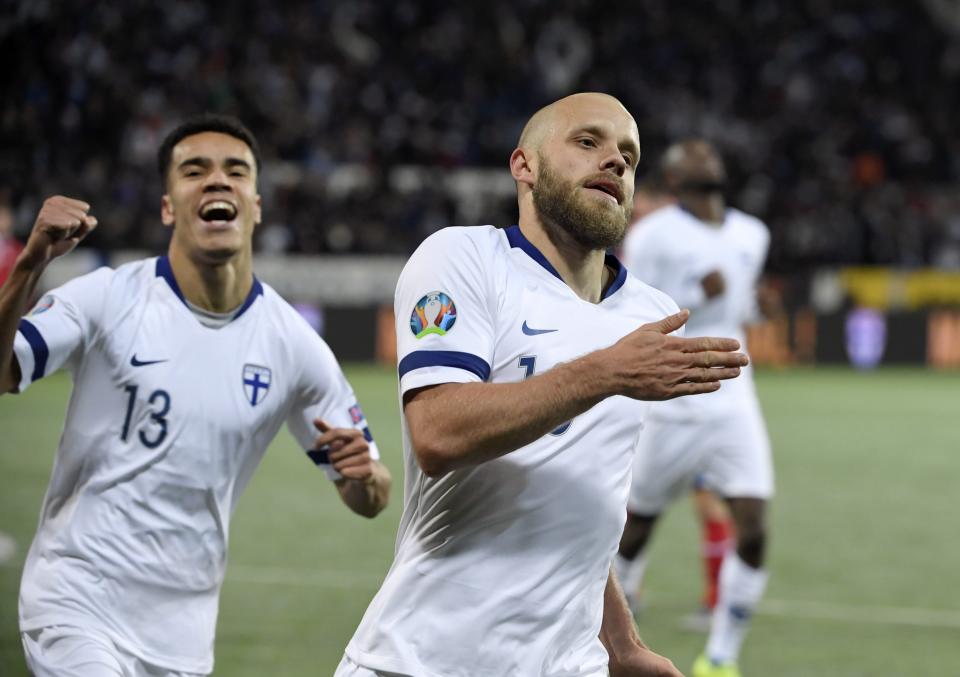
[{"x": 838, "y": 143}]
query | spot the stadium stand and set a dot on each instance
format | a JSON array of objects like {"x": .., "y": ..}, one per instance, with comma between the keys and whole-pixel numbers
[{"x": 378, "y": 119}]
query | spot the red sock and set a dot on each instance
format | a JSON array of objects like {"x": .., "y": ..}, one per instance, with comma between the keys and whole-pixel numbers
[{"x": 716, "y": 541}]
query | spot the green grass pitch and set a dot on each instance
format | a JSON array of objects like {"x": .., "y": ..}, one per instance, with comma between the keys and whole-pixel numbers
[{"x": 865, "y": 557}]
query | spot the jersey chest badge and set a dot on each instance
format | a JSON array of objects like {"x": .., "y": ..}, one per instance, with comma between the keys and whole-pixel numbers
[{"x": 256, "y": 383}]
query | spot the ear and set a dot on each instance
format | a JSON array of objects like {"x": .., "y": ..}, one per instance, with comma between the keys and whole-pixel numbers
[
  {"x": 166, "y": 210},
  {"x": 521, "y": 166},
  {"x": 257, "y": 210}
]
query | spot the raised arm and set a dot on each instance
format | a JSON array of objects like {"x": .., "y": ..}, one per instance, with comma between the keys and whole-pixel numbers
[
  {"x": 455, "y": 425},
  {"x": 60, "y": 225}
]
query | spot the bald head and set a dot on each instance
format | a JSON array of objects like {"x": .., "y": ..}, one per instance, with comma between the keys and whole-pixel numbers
[
  {"x": 574, "y": 167},
  {"x": 545, "y": 121},
  {"x": 537, "y": 127}
]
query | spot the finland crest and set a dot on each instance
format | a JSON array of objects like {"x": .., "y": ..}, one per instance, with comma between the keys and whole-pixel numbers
[{"x": 256, "y": 383}]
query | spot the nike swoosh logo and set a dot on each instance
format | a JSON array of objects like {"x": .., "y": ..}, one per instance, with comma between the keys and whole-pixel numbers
[
  {"x": 533, "y": 332},
  {"x": 134, "y": 362}
]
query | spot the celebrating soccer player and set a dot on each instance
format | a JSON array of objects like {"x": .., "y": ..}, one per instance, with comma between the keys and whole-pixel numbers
[
  {"x": 184, "y": 368},
  {"x": 525, "y": 355}
]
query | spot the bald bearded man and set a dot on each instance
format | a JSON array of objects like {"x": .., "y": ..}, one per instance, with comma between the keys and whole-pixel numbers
[{"x": 525, "y": 356}]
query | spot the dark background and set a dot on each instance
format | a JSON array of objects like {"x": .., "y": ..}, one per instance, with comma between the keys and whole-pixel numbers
[{"x": 837, "y": 119}]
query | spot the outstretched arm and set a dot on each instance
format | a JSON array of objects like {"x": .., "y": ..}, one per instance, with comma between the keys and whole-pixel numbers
[
  {"x": 629, "y": 656},
  {"x": 455, "y": 425},
  {"x": 365, "y": 483},
  {"x": 60, "y": 225}
]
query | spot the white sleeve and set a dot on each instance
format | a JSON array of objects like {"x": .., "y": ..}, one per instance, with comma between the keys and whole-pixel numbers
[
  {"x": 61, "y": 326},
  {"x": 445, "y": 311},
  {"x": 324, "y": 393}
]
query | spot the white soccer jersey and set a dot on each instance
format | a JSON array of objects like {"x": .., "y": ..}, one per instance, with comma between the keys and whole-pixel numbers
[
  {"x": 672, "y": 250},
  {"x": 167, "y": 421},
  {"x": 500, "y": 568}
]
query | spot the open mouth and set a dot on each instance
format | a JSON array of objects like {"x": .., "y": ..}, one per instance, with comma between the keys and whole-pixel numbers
[
  {"x": 610, "y": 187},
  {"x": 218, "y": 211}
]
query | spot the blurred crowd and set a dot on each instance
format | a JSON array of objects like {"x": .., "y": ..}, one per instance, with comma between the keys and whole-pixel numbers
[{"x": 836, "y": 118}]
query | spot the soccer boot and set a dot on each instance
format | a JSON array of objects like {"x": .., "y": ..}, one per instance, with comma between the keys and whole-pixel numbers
[{"x": 704, "y": 667}]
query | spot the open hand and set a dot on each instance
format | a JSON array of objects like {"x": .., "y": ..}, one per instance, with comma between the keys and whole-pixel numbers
[{"x": 650, "y": 364}]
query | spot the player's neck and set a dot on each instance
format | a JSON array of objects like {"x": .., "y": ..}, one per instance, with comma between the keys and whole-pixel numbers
[
  {"x": 219, "y": 287},
  {"x": 581, "y": 269},
  {"x": 708, "y": 207}
]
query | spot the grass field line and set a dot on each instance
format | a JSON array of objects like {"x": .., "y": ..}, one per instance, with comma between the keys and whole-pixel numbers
[
  {"x": 811, "y": 610},
  {"x": 861, "y": 613}
]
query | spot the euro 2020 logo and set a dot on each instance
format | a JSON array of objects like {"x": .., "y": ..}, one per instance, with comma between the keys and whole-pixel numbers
[{"x": 433, "y": 314}]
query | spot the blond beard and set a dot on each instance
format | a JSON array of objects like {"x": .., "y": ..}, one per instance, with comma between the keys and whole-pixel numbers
[{"x": 558, "y": 205}]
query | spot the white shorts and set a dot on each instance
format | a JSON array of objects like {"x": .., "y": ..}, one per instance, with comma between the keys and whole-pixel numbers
[
  {"x": 67, "y": 651},
  {"x": 729, "y": 455}
]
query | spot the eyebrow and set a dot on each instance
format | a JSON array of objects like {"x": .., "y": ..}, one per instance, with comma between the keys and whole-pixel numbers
[
  {"x": 205, "y": 162},
  {"x": 628, "y": 144}
]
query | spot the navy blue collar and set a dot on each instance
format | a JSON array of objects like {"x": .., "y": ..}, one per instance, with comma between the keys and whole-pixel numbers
[
  {"x": 517, "y": 239},
  {"x": 165, "y": 270}
]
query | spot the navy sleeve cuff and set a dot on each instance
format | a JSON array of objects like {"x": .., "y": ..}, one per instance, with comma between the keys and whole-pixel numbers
[
  {"x": 40, "y": 350},
  {"x": 444, "y": 358}
]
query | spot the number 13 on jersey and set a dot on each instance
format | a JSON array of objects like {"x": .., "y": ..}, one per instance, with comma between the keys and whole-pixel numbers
[{"x": 159, "y": 402}]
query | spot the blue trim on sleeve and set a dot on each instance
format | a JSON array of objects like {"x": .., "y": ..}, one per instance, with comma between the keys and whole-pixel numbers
[
  {"x": 165, "y": 270},
  {"x": 367, "y": 435},
  {"x": 320, "y": 456},
  {"x": 517, "y": 239},
  {"x": 40, "y": 350},
  {"x": 444, "y": 358}
]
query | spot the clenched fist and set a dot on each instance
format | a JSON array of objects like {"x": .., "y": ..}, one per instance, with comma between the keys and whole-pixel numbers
[{"x": 60, "y": 225}]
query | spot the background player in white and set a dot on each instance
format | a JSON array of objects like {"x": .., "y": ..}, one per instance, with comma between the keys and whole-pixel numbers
[
  {"x": 709, "y": 258},
  {"x": 184, "y": 368},
  {"x": 716, "y": 524},
  {"x": 520, "y": 418}
]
